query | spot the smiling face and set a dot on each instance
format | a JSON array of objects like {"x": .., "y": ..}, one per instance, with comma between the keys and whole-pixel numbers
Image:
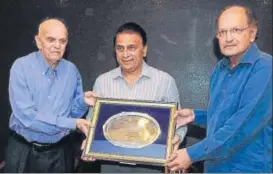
[
  {"x": 52, "y": 40},
  {"x": 130, "y": 51},
  {"x": 235, "y": 34}
]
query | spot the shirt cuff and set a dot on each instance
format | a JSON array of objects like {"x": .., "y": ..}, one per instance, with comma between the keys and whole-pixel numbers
[
  {"x": 181, "y": 132},
  {"x": 197, "y": 151},
  {"x": 68, "y": 123},
  {"x": 48, "y": 118},
  {"x": 82, "y": 102},
  {"x": 199, "y": 116}
]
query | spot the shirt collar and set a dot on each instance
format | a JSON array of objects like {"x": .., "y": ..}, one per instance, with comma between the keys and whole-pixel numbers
[
  {"x": 146, "y": 71},
  {"x": 250, "y": 56}
]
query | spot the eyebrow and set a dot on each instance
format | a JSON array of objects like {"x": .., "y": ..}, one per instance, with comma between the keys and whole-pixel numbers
[{"x": 51, "y": 37}]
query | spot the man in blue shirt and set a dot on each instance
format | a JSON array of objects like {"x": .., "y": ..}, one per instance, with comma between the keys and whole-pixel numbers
[
  {"x": 239, "y": 114},
  {"x": 47, "y": 102}
]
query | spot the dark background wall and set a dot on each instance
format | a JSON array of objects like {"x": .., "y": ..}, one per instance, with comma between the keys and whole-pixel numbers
[{"x": 180, "y": 39}]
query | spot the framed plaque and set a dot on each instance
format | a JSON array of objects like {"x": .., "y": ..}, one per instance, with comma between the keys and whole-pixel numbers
[{"x": 129, "y": 131}]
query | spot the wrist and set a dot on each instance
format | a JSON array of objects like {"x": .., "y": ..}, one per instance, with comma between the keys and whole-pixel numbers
[{"x": 193, "y": 115}]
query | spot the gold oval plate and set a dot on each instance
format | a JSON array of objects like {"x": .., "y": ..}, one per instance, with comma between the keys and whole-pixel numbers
[{"x": 131, "y": 130}]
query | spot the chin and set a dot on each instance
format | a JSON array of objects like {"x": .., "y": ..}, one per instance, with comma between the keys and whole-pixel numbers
[
  {"x": 55, "y": 58},
  {"x": 230, "y": 53}
]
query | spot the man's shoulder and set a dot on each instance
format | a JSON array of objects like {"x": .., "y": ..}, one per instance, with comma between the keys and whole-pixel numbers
[
  {"x": 24, "y": 60},
  {"x": 264, "y": 61},
  {"x": 108, "y": 75},
  {"x": 69, "y": 64},
  {"x": 154, "y": 72}
]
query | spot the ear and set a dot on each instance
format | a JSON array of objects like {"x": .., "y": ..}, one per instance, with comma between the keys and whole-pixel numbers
[
  {"x": 145, "y": 51},
  {"x": 38, "y": 42},
  {"x": 253, "y": 34}
]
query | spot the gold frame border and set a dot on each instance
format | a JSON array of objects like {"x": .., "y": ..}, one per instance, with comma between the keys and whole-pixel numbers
[{"x": 127, "y": 158}]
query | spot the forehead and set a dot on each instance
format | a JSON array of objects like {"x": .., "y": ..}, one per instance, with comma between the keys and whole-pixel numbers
[
  {"x": 233, "y": 17},
  {"x": 128, "y": 38},
  {"x": 54, "y": 29}
]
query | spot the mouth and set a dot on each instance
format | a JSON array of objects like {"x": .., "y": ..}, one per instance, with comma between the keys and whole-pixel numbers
[
  {"x": 229, "y": 46},
  {"x": 127, "y": 61},
  {"x": 55, "y": 52}
]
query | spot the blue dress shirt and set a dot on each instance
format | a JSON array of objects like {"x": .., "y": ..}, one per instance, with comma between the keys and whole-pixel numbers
[
  {"x": 239, "y": 116},
  {"x": 45, "y": 102}
]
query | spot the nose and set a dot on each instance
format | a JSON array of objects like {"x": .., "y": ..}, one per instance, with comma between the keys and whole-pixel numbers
[
  {"x": 126, "y": 53},
  {"x": 229, "y": 37},
  {"x": 57, "y": 44}
]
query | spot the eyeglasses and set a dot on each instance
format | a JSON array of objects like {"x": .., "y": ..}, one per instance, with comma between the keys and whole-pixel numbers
[{"x": 233, "y": 32}]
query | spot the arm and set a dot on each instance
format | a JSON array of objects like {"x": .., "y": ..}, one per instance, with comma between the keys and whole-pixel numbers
[
  {"x": 200, "y": 117},
  {"x": 79, "y": 107},
  {"x": 173, "y": 96},
  {"x": 253, "y": 114},
  {"x": 97, "y": 91},
  {"x": 25, "y": 110}
]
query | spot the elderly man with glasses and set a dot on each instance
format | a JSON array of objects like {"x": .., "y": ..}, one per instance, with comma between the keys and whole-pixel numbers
[{"x": 238, "y": 119}]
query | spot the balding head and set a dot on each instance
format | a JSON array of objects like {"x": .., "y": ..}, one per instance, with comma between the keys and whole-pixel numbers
[
  {"x": 243, "y": 11},
  {"x": 52, "y": 39},
  {"x": 51, "y": 23}
]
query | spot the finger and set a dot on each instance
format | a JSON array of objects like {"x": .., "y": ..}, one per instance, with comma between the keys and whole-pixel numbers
[
  {"x": 176, "y": 114},
  {"x": 175, "y": 148},
  {"x": 174, "y": 169},
  {"x": 83, "y": 144},
  {"x": 185, "y": 112},
  {"x": 180, "y": 113},
  {"x": 180, "y": 123},
  {"x": 85, "y": 131},
  {"x": 84, "y": 158},
  {"x": 91, "y": 159},
  {"x": 86, "y": 123},
  {"x": 91, "y": 94},
  {"x": 87, "y": 159},
  {"x": 166, "y": 170},
  {"x": 171, "y": 164},
  {"x": 172, "y": 157},
  {"x": 176, "y": 139}
]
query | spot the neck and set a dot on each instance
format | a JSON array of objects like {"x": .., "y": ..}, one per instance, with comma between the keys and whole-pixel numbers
[
  {"x": 234, "y": 61},
  {"x": 52, "y": 64},
  {"x": 132, "y": 76}
]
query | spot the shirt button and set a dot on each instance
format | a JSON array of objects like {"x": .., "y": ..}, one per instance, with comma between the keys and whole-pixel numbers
[
  {"x": 49, "y": 97},
  {"x": 229, "y": 74}
]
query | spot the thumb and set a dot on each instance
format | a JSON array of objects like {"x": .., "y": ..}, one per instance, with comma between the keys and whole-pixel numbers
[
  {"x": 172, "y": 157},
  {"x": 176, "y": 139},
  {"x": 91, "y": 94}
]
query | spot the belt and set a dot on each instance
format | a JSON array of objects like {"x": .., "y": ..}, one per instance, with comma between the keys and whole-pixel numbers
[{"x": 39, "y": 146}]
